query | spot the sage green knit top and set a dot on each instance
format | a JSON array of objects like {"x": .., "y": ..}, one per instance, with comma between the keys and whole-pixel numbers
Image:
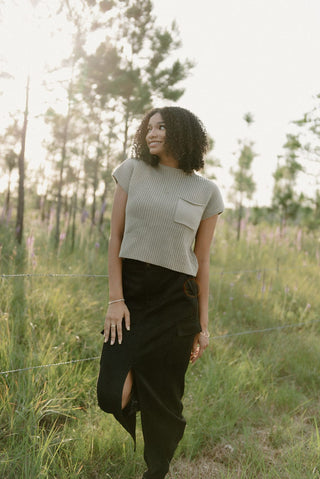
[{"x": 164, "y": 208}]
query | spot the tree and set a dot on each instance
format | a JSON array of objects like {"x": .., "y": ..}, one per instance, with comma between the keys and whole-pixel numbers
[
  {"x": 210, "y": 161},
  {"x": 9, "y": 144},
  {"x": 61, "y": 124},
  {"x": 121, "y": 61},
  {"x": 133, "y": 68},
  {"x": 309, "y": 152},
  {"x": 309, "y": 140},
  {"x": 244, "y": 186},
  {"x": 21, "y": 166},
  {"x": 11, "y": 161},
  {"x": 285, "y": 199}
]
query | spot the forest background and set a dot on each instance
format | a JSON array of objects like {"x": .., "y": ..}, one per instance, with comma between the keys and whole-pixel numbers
[{"x": 116, "y": 62}]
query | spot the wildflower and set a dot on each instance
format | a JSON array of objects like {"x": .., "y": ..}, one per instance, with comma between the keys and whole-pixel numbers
[
  {"x": 299, "y": 239},
  {"x": 30, "y": 242},
  {"x": 84, "y": 216},
  {"x": 30, "y": 248}
]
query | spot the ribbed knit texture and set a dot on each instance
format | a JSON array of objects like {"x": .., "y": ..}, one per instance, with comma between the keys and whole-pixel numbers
[{"x": 163, "y": 213}]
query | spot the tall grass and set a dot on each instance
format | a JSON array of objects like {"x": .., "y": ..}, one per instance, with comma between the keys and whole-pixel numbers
[{"x": 251, "y": 402}]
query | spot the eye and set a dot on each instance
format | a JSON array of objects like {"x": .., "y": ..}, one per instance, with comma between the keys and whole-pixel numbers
[{"x": 162, "y": 127}]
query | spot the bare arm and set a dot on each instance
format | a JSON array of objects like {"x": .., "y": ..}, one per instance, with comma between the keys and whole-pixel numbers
[
  {"x": 116, "y": 311},
  {"x": 202, "y": 252}
]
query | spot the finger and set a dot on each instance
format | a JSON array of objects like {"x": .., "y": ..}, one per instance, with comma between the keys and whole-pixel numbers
[
  {"x": 194, "y": 353},
  {"x": 106, "y": 332},
  {"x": 201, "y": 348},
  {"x": 200, "y": 353},
  {"x": 113, "y": 330},
  {"x": 195, "y": 344},
  {"x": 127, "y": 320},
  {"x": 194, "y": 359},
  {"x": 119, "y": 332}
]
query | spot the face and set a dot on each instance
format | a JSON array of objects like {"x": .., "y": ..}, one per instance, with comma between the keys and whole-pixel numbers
[{"x": 156, "y": 135}]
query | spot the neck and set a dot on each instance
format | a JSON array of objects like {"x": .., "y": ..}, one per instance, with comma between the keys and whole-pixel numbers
[{"x": 169, "y": 161}]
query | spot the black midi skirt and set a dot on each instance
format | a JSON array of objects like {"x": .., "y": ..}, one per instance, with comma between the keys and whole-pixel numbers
[{"x": 163, "y": 307}]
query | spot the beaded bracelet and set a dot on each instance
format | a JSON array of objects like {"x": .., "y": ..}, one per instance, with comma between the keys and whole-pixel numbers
[{"x": 116, "y": 301}]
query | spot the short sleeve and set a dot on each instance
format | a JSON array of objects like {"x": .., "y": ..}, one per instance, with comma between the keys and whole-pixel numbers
[
  {"x": 215, "y": 205},
  {"x": 123, "y": 172}
]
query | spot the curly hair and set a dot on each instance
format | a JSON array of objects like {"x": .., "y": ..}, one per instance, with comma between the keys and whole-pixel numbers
[{"x": 186, "y": 138}]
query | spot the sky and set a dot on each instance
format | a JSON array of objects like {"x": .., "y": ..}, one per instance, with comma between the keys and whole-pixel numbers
[{"x": 258, "y": 56}]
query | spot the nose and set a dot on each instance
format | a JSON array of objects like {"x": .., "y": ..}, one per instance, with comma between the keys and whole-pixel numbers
[{"x": 151, "y": 132}]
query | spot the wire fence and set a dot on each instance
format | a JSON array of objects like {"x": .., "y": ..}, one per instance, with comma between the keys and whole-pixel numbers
[
  {"x": 53, "y": 275},
  {"x": 276, "y": 269},
  {"x": 89, "y": 275},
  {"x": 81, "y": 275},
  {"x": 222, "y": 336}
]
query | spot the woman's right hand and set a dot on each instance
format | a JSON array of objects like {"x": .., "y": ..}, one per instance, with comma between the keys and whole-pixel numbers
[{"x": 113, "y": 322}]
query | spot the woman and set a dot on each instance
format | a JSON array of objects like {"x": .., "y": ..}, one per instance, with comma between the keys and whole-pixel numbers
[{"x": 162, "y": 225}]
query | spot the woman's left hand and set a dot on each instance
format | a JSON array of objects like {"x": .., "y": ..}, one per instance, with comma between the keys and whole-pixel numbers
[{"x": 200, "y": 343}]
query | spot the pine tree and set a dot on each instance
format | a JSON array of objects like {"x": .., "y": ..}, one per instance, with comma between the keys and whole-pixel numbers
[
  {"x": 244, "y": 186},
  {"x": 285, "y": 198}
]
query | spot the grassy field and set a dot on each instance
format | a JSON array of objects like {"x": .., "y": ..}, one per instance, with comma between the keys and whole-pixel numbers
[{"x": 251, "y": 403}]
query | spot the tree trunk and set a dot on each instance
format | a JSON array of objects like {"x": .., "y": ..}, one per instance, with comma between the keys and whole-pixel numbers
[
  {"x": 94, "y": 185},
  {"x": 43, "y": 207},
  {"x": 103, "y": 204},
  {"x": 74, "y": 213},
  {"x": 125, "y": 140},
  {"x": 96, "y": 179},
  {"x": 239, "y": 220},
  {"x": 58, "y": 211},
  {"x": 7, "y": 204},
  {"x": 84, "y": 196},
  {"x": 20, "y": 208},
  {"x": 63, "y": 159}
]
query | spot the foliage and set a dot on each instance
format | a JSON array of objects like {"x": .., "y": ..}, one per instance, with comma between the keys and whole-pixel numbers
[
  {"x": 118, "y": 63},
  {"x": 285, "y": 199},
  {"x": 308, "y": 150},
  {"x": 244, "y": 185},
  {"x": 132, "y": 68}
]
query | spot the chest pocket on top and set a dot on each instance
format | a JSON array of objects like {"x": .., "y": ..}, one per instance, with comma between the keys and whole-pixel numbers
[{"x": 188, "y": 213}]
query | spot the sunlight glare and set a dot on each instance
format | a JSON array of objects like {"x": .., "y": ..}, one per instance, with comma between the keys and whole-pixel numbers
[{"x": 28, "y": 47}]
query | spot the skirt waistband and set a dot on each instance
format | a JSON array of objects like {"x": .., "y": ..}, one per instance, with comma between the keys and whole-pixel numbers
[{"x": 150, "y": 266}]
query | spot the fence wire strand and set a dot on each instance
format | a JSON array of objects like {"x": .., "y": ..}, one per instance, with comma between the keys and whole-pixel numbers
[
  {"x": 81, "y": 275},
  {"x": 222, "y": 336},
  {"x": 89, "y": 275},
  {"x": 53, "y": 275},
  {"x": 62, "y": 363}
]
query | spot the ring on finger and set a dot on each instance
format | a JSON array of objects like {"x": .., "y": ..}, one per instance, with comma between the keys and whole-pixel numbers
[{"x": 112, "y": 325}]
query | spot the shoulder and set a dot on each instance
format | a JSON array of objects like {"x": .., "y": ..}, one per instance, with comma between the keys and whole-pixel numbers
[
  {"x": 205, "y": 183},
  {"x": 125, "y": 168},
  {"x": 122, "y": 173},
  {"x": 127, "y": 164}
]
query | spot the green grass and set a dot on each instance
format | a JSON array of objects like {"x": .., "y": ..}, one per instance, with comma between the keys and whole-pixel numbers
[{"x": 251, "y": 403}]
